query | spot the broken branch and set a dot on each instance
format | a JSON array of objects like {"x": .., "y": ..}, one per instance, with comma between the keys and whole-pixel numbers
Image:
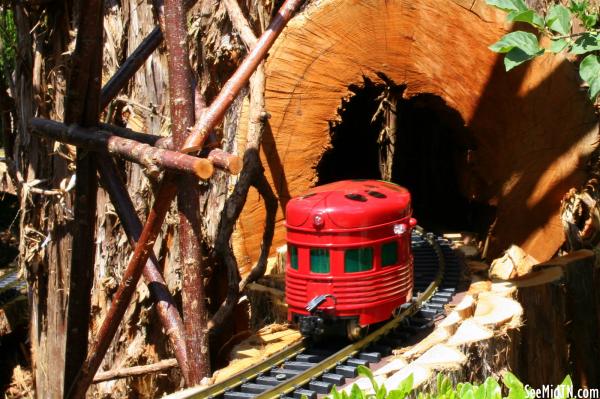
[{"x": 130, "y": 150}]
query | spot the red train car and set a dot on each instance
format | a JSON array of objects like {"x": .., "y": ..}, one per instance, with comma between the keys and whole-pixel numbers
[{"x": 349, "y": 260}]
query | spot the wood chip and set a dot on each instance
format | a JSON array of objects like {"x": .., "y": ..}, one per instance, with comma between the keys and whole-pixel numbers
[{"x": 470, "y": 331}]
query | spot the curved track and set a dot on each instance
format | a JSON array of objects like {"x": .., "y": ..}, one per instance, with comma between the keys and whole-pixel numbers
[{"x": 309, "y": 369}]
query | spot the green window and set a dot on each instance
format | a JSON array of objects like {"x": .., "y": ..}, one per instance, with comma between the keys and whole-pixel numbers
[
  {"x": 319, "y": 260},
  {"x": 358, "y": 260},
  {"x": 389, "y": 253},
  {"x": 293, "y": 257}
]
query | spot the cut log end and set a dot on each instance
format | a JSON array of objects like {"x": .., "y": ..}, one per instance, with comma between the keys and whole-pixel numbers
[{"x": 203, "y": 168}]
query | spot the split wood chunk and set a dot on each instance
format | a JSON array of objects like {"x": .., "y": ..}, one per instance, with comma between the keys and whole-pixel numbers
[
  {"x": 465, "y": 307},
  {"x": 438, "y": 336},
  {"x": 253, "y": 350},
  {"x": 477, "y": 287},
  {"x": 496, "y": 311},
  {"x": 513, "y": 264},
  {"x": 442, "y": 357},
  {"x": 393, "y": 366},
  {"x": 470, "y": 331},
  {"x": 451, "y": 322},
  {"x": 419, "y": 372},
  {"x": 539, "y": 277}
]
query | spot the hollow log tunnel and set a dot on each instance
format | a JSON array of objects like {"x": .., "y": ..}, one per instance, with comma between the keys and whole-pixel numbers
[
  {"x": 478, "y": 147},
  {"x": 430, "y": 156}
]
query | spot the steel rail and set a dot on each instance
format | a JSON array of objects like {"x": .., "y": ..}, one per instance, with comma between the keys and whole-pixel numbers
[{"x": 325, "y": 365}]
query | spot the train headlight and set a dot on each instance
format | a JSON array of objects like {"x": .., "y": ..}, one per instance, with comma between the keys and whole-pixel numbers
[
  {"x": 318, "y": 221},
  {"x": 399, "y": 229}
]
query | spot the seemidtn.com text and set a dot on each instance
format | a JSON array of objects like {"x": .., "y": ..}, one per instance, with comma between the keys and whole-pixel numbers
[{"x": 561, "y": 391}]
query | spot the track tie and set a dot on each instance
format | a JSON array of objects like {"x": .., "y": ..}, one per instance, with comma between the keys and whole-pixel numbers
[
  {"x": 238, "y": 395},
  {"x": 322, "y": 387},
  {"x": 277, "y": 373},
  {"x": 266, "y": 380},
  {"x": 371, "y": 357},
  {"x": 301, "y": 366},
  {"x": 346, "y": 371},
  {"x": 435, "y": 305},
  {"x": 254, "y": 388},
  {"x": 435, "y": 299},
  {"x": 300, "y": 393},
  {"x": 336, "y": 379},
  {"x": 357, "y": 362},
  {"x": 304, "y": 357}
]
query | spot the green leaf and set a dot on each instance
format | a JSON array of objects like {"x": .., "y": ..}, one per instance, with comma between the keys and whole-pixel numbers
[
  {"x": 525, "y": 41},
  {"x": 586, "y": 43},
  {"x": 468, "y": 394},
  {"x": 529, "y": 16},
  {"x": 508, "y": 5},
  {"x": 559, "y": 19},
  {"x": 366, "y": 372},
  {"x": 356, "y": 393},
  {"x": 589, "y": 70},
  {"x": 407, "y": 384},
  {"x": 381, "y": 393},
  {"x": 589, "y": 20},
  {"x": 577, "y": 7},
  {"x": 492, "y": 389},
  {"x": 396, "y": 394},
  {"x": 558, "y": 45},
  {"x": 564, "y": 390},
  {"x": 516, "y": 57},
  {"x": 480, "y": 392},
  {"x": 515, "y": 387},
  {"x": 462, "y": 391},
  {"x": 334, "y": 393},
  {"x": 567, "y": 382}
]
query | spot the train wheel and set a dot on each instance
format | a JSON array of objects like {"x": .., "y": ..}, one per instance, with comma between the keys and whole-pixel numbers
[{"x": 354, "y": 331}]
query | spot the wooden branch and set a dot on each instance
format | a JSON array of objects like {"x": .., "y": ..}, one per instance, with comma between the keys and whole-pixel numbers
[
  {"x": 240, "y": 23},
  {"x": 214, "y": 114},
  {"x": 104, "y": 142},
  {"x": 181, "y": 98},
  {"x": 220, "y": 159},
  {"x": 252, "y": 175},
  {"x": 82, "y": 107},
  {"x": 166, "y": 307},
  {"x": 124, "y": 293},
  {"x": 130, "y": 66},
  {"x": 135, "y": 370}
]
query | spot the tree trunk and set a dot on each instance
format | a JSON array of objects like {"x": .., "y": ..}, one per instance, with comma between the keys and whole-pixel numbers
[{"x": 520, "y": 138}]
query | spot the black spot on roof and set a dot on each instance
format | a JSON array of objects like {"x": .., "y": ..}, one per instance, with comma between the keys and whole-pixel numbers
[
  {"x": 308, "y": 195},
  {"x": 376, "y": 194},
  {"x": 356, "y": 197}
]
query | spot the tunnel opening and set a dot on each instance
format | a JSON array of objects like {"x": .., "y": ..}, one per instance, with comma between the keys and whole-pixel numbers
[{"x": 419, "y": 142}]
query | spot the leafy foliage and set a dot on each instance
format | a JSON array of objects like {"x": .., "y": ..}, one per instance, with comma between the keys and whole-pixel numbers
[
  {"x": 444, "y": 389},
  {"x": 8, "y": 42},
  {"x": 557, "y": 24}
]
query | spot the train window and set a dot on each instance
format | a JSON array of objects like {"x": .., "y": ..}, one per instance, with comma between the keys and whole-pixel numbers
[
  {"x": 319, "y": 260},
  {"x": 389, "y": 253},
  {"x": 293, "y": 257},
  {"x": 358, "y": 260}
]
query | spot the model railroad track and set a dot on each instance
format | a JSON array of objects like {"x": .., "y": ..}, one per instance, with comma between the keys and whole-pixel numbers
[{"x": 310, "y": 369}]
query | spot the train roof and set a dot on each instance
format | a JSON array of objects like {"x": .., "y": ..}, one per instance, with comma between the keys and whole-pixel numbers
[{"x": 348, "y": 204}]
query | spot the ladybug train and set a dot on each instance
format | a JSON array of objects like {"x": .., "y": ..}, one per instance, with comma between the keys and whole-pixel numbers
[{"x": 349, "y": 262}]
